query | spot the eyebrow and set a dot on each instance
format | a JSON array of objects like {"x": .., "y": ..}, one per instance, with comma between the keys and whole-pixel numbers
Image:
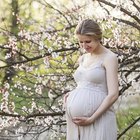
[{"x": 87, "y": 41}]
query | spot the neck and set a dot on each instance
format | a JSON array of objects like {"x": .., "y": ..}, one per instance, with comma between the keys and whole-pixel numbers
[{"x": 99, "y": 50}]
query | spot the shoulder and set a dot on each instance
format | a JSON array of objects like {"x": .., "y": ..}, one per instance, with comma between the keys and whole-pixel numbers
[
  {"x": 110, "y": 59},
  {"x": 110, "y": 56},
  {"x": 81, "y": 58}
]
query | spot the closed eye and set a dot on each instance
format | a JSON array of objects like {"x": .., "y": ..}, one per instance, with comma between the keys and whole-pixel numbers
[{"x": 89, "y": 41}]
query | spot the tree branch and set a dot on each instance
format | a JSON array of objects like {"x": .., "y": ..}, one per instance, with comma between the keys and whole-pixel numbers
[
  {"x": 38, "y": 57},
  {"x": 32, "y": 115},
  {"x": 121, "y": 9},
  {"x": 122, "y": 20},
  {"x": 121, "y": 91},
  {"x": 128, "y": 23},
  {"x": 128, "y": 127},
  {"x": 135, "y": 5},
  {"x": 56, "y": 10}
]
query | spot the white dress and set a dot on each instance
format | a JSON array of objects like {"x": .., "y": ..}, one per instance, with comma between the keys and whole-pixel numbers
[{"x": 84, "y": 100}]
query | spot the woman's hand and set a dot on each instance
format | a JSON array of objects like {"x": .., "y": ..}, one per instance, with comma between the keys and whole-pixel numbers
[{"x": 82, "y": 121}]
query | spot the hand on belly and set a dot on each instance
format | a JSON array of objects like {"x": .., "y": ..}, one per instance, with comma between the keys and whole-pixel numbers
[
  {"x": 83, "y": 103},
  {"x": 82, "y": 121}
]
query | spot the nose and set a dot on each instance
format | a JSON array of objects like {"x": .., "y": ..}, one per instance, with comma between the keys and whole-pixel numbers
[{"x": 84, "y": 44}]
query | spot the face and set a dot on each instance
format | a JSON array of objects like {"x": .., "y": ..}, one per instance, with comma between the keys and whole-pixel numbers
[{"x": 88, "y": 43}]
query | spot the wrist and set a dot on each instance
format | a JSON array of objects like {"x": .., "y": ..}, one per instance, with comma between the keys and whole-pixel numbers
[{"x": 91, "y": 119}]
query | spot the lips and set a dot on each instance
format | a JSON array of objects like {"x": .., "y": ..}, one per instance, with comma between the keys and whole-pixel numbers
[{"x": 88, "y": 48}]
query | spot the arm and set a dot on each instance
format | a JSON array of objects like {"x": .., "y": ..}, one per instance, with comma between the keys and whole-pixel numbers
[
  {"x": 111, "y": 66},
  {"x": 80, "y": 59}
]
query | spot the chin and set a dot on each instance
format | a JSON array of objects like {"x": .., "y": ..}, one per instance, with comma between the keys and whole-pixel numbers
[{"x": 89, "y": 51}]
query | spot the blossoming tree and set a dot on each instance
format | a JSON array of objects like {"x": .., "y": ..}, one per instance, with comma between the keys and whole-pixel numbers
[{"x": 38, "y": 54}]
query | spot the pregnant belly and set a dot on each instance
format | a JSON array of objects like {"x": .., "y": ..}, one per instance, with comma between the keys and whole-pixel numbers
[{"x": 83, "y": 102}]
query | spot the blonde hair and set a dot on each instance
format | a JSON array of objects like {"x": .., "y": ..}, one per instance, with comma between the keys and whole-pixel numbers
[{"x": 89, "y": 27}]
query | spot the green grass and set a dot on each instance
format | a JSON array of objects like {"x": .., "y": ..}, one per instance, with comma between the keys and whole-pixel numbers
[{"x": 126, "y": 118}]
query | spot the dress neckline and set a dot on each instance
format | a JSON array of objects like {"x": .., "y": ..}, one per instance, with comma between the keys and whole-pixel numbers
[
  {"x": 92, "y": 65},
  {"x": 99, "y": 62}
]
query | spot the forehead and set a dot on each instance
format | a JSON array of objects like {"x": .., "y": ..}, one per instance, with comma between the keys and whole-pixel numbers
[{"x": 84, "y": 37}]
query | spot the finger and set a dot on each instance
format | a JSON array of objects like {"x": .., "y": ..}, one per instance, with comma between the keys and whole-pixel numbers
[
  {"x": 78, "y": 118},
  {"x": 78, "y": 122},
  {"x": 65, "y": 98}
]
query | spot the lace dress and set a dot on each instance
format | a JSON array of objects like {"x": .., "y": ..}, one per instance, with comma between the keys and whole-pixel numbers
[{"x": 84, "y": 100}]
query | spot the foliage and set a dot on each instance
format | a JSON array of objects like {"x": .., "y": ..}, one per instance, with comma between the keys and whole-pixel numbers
[
  {"x": 130, "y": 114},
  {"x": 38, "y": 54}
]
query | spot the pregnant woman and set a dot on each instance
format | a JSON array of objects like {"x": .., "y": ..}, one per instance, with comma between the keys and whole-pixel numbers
[{"x": 89, "y": 111}]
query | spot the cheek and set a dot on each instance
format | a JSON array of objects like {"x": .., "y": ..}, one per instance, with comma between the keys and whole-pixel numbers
[
  {"x": 81, "y": 46},
  {"x": 93, "y": 45}
]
